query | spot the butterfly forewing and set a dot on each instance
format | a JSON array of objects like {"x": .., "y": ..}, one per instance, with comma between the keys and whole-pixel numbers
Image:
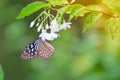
[
  {"x": 38, "y": 47},
  {"x": 30, "y": 51}
]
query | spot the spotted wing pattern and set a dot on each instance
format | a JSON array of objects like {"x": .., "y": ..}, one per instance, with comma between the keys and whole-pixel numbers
[
  {"x": 30, "y": 51},
  {"x": 37, "y": 48}
]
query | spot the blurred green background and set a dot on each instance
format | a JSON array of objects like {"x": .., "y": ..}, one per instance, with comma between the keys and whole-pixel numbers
[{"x": 90, "y": 56}]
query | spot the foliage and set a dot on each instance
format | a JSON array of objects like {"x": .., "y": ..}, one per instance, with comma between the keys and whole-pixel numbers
[
  {"x": 1, "y": 73},
  {"x": 89, "y": 56},
  {"x": 31, "y": 8},
  {"x": 91, "y": 19},
  {"x": 114, "y": 26},
  {"x": 74, "y": 11}
]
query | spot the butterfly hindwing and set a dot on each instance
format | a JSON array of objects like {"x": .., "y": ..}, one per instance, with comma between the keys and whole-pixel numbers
[{"x": 45, "y": 50}]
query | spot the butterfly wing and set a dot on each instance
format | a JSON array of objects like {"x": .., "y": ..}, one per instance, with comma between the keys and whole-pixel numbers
[
  {"x": 45, "y": 50},
  {"x": 30, "y": 51},
  {"x": 38, "y": 47}
]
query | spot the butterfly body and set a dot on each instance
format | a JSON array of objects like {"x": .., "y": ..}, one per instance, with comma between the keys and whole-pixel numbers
[{"x": 37, "y": 48}]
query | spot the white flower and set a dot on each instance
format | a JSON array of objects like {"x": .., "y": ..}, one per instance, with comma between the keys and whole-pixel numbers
[
  {"x": 37, "y": 24},
  {"x": 48, "y": 36},
  {"x": 32, "y": 23},
  {"x": 65, "y": 25},
  {"x": 39, "y": 28},
  {"x": 44, "y": 31},
  {"x": 48, "y": 32},
  {"x": 54, "y": 35},
  {"x": 54, "y": 26},
  {"x": 47, "y": 26}
]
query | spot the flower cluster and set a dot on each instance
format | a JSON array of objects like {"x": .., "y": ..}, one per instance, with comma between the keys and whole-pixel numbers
[{"x": 49, "y": 31}]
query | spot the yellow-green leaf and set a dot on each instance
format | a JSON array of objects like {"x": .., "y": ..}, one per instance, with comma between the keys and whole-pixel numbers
[
  {"x": 57, "y": 2},
  {"x": 75, "y": 9},
  {"x": 114, "y": 26},
  {"x": 93, "y": 7},
  {"x": 90, "y": 20},
  {"x": 113, "y": 4},
  {"x": 31, "y": 8},
  {"x": 61, "y": 12}
]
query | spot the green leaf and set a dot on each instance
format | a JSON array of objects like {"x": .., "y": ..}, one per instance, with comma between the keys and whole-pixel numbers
[
  {"x": 57, "y": 2},
  {"x": 114, "y": 26},
  {"x": 1, "y": 73},
  {"x": 81, "y": 13},
  {"x": 94, "y": 7},
  {"x": 91, "y": 19},
  {"x": 31, "y": 8},
  {"x": 113, "y": 4},
  {"x": 75, "y": 9},
  {"x": 60, "y": 13},
  {"x": 87, "y": 9},
  {"x": 63, "y": 10}
]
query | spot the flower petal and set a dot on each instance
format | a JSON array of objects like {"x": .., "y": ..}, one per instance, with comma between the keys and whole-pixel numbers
[
  {"x": 65, "y": 25},
  {"x": 47, "y": 26},
  {"x": 39, "y": 28},
  {"x": 32, "y": 23},
  {"x": 48, "y": 36},
  {"x": 37, "y": 24},
  {"x": 54, "y": 26}
]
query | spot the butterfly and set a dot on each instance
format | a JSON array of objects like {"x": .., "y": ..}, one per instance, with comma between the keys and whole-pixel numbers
[{"x": 37, "y": 48}]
